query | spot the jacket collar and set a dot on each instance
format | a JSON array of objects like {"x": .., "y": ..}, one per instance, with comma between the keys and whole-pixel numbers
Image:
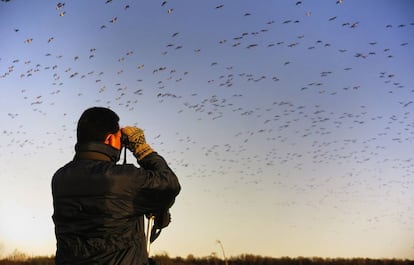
[{"x": 96, "y": 151}]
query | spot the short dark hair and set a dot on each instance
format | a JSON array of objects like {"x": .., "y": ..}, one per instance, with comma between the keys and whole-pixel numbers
[{"x": 96, "y": 123}]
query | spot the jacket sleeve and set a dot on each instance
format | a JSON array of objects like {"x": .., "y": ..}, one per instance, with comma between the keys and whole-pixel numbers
[{"x": 160, "y": 186}]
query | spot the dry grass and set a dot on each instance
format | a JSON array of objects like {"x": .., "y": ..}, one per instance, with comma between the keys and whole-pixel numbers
[{"x": 19, "y": 258}]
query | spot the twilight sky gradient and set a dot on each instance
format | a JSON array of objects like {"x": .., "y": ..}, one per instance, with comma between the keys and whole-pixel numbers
[{"x": 289, "y": 123}]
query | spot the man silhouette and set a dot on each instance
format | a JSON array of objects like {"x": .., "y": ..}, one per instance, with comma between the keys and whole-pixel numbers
[{"x": 99, "y": 206}]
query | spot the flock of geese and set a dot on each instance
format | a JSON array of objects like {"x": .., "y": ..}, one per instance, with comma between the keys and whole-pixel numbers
[{"x": 286, "y": 127}]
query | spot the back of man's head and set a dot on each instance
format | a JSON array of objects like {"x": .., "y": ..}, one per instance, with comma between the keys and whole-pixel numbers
[{"x": 95, "y": 124}]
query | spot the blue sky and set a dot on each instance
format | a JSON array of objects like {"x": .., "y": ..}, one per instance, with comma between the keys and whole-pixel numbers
[{"x": 289, "y": 123}]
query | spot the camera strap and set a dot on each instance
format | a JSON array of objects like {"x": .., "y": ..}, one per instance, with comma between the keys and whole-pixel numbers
[{"x": 125, "y": 154}]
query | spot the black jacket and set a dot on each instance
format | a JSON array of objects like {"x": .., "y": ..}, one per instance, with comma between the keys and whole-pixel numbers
[{"x": 99, "y": 206}]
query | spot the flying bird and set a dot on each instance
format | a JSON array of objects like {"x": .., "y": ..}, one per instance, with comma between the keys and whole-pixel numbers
[{"x": 59, "y": 5}]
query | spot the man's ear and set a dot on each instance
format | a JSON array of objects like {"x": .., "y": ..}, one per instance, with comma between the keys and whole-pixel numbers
[
  {"x": 108, "y": 138},
  {"x": 114, "y": 140}
]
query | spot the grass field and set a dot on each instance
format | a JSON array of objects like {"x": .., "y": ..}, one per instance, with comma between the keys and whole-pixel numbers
[{"x": 18, "y": 258}]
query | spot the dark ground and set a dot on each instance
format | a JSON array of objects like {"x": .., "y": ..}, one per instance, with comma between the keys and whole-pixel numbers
[{"x": 22, "y": 259}]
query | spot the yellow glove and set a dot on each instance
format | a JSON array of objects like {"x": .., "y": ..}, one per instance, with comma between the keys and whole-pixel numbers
[{"x": 136, "y": 142}]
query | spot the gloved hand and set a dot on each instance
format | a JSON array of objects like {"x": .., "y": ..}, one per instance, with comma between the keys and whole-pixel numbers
[{"x": 136, "y": 142}]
